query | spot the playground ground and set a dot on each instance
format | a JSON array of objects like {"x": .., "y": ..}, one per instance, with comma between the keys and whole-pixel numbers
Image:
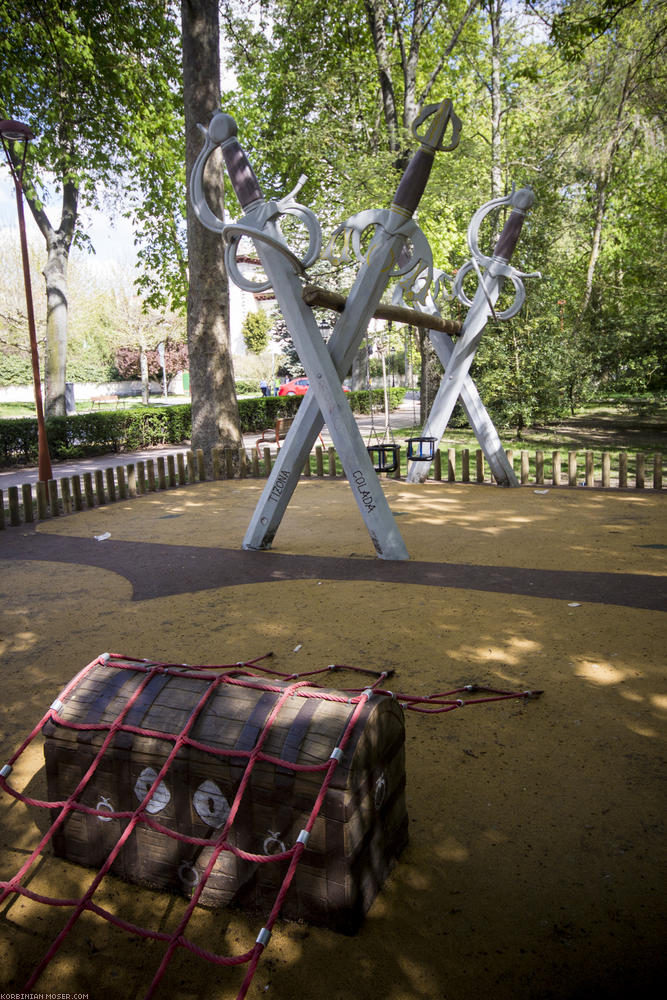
[{"x": 536, "y": 863}]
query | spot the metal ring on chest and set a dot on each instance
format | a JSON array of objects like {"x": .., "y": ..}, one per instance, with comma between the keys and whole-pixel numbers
[
  {"x": 104, "y": 805},
  {"x": 273, "y": 838},
  {"x": 188, "y": 875},
  {"x": 380, "y": 791}
]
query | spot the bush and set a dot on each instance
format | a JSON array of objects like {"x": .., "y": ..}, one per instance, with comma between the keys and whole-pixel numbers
[
  {"x": 18, "y": 440},
  {"x": 15, "y": 369},
  {"x": 92, "y": 433},
  {"x": 361, "y": 400},
  {"x": 246, "y": 387}
]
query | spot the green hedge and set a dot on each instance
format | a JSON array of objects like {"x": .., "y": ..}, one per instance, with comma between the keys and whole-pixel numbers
[{"x": 129, "y": 430}]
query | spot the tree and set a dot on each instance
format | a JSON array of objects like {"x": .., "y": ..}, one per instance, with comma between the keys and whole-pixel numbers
[
  {"x": 129, "y": 360},
  {"x": 94, "y": 80},
  {"x": 215, "y": 417},
  {"x": 333, "y": 94},
  {"x": 256, "y": 328},
  {"x": 397, "y": 32}
]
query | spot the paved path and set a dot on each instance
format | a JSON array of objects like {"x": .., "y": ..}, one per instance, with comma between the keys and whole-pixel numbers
[{"x": 162, "y": 569}]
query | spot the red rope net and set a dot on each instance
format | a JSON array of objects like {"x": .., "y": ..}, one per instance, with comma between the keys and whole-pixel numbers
[{"x": 292, "y": 685}]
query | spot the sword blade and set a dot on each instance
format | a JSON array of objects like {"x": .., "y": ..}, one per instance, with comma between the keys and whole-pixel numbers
[
  {"x": 326, "y": 389},
  {"x": 309, "y": 421},
  {"x": 479, "y": 419}
]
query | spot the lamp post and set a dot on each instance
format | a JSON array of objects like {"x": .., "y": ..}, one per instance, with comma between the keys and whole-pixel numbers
[{"x": 13, "y": 131}]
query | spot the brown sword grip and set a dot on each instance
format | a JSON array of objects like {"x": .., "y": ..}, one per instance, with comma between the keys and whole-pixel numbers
[
  {"x": 241, "y": 174},
  {"x": 413, "y": 182},
  {"x": 509, "y": 236},
  {"x": 222, "y": 131}
]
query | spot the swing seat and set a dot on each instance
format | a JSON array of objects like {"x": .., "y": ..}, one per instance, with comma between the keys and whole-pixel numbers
[
  {"x": 421, "y": 449},
  {"x": 385, "y": 457}
]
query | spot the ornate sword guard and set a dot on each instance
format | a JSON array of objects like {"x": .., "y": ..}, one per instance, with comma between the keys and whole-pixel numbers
[
  {"x": 220, "y": 132},
  {"x": 426, "y": 291},
  {"x": 520, "y": 201},
  {"x": 385, "y": 223},
  {"x": 415, "y": 269},
  {"x": 433, "y": 137}
]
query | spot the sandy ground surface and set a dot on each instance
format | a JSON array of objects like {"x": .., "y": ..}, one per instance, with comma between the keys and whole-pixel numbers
[{"x": 536, "y": 863}]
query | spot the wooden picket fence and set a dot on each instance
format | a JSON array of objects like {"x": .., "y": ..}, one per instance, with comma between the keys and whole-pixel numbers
[{"x": 41, "y": 501}]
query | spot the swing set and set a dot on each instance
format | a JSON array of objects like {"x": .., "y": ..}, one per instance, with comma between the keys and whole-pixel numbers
[{"x": 386, "y": 455}]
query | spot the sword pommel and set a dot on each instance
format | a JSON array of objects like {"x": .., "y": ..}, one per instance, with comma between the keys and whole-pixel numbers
[
  {"x": 222, "y": 128},
  {"x": 523, "y": 199}
]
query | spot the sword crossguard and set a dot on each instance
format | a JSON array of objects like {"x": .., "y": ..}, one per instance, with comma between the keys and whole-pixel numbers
[
  {"x": 442, "y": 115},
  {"x": 386, "y": 224},
  {"x": 497, "y": 265}
]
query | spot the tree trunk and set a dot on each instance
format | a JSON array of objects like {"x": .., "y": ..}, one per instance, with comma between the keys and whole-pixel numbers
[
  {"x": 143, "y": 366},
  {"x": 602, "y": 184},
  {"x": 215, "y": 415},
  {"x": 496, "y": 112},
  {"x": 376, "y": 11},
  {"x": 58, "y": 243},
  {"x": 431, "y": 374},
  {"x": 55, "y": 276}
]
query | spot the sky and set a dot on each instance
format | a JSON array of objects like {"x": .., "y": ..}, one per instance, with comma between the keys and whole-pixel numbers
[{"x": 113, "y": 241}]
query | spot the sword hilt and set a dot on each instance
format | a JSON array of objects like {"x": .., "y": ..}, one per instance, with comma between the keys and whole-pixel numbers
[
  {"x": 499, "y": 263},
  {"x": 415, "y": 178}
]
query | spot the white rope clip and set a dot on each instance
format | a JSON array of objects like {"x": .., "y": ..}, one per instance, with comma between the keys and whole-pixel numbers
[{"x": 263, "y": 937}]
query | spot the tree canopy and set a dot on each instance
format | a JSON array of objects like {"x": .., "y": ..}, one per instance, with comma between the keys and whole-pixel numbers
[
  {"x": 564, "y": 95},
  {"x": 561, "y": 96},
  {"x": 95, "y": 81}
]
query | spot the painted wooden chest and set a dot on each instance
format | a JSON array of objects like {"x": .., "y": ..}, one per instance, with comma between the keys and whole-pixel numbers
[{"x": 123, "y": 720}]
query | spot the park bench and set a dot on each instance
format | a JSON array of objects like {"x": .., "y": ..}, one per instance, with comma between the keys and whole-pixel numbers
[
  {"x": 103, "y": 399},
  {"x": 277, "y": 433}
]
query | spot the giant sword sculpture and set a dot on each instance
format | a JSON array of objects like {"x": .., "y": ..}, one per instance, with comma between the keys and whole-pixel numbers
[
  {"x": 457, "y": 360},
  {"x": 325, "y": 365}
]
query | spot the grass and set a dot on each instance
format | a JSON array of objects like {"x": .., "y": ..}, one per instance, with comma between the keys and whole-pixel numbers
[
  {"x": 595, "y": 427},
  {"x": 21, "y": 409}
]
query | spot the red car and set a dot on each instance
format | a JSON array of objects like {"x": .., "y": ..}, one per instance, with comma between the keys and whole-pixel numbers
[{"x": 298, "y": 387}]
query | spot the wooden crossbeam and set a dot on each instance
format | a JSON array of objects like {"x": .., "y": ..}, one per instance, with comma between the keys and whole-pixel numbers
[{"x": 313, "y": 295}]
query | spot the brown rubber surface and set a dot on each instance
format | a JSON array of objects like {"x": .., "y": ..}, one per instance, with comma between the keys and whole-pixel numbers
[{"x": 536, "y": 862}]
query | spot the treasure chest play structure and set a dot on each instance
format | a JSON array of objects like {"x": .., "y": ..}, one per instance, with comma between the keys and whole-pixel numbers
[
  {"x": 231, "y": 785},
  {"x": 209, "y": 781}
]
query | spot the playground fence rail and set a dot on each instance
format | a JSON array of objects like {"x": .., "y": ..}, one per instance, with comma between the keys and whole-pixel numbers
[{"x": 574, "y": 470}]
